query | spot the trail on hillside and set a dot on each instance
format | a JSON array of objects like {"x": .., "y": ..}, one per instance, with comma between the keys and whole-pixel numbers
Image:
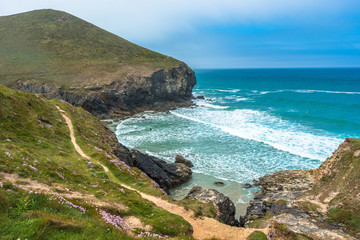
[{"x": 204, "y": 228}]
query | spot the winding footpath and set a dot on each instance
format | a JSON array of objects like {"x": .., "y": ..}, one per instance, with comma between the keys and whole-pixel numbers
[{"x": 204, "y": 228}]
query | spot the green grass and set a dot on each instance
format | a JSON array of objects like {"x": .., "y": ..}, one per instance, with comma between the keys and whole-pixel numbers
[
  {"x": 257, "y": 235},
  {"x": 35, "y": 144},
  {"x": 350, "y": 218},
  {"x": 307, "y": 206},
  {"x": 260, "y": 222},
  {"x": 199, "y": 208},
  {"x": 281, "y": 231},
  {"x": 50, "y": 46},
  {"x": 342, "y": 178}
]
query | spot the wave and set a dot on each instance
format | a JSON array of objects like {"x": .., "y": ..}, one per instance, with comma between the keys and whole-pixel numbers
[
  {"x": 229, "y": 91},
  {"x": 261, "y": 127},
  {"x": 240, "y": 99},
  {"x": 204, "y": 104},
  {"x": 309, "y": 91}
]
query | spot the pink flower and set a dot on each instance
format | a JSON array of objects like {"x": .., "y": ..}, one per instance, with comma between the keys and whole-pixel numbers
[{"x": 114, "y": 220}]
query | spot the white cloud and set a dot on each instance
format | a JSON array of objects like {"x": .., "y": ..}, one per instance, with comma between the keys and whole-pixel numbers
[{"x": 153, "y": 20}]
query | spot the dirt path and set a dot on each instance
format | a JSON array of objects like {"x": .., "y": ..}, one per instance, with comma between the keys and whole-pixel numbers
[{"x": 204, "y": 228}]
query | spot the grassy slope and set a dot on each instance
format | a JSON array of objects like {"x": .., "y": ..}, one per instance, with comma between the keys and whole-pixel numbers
[
  {"x": 54, "y": 46},
  {"x": 33, "y": 134},
  {"x": 340, "y": 183}
]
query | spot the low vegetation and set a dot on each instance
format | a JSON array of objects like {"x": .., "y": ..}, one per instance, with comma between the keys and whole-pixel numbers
[
  {"x": 35, "y": 150},
  {"x": 339, "y": 186},
  {"x": 54, "y": 47}
]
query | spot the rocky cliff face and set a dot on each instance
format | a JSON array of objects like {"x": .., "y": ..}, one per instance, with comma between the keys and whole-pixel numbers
[
  {"x": 159, "y": 90},
  {"x": 322, "y": 203}
]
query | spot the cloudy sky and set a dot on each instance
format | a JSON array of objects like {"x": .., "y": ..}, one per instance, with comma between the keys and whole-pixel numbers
[{"x": 226, "y": 33}]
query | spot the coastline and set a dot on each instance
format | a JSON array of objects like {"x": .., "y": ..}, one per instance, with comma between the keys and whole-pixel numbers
[{"x": 240, "y": 196}]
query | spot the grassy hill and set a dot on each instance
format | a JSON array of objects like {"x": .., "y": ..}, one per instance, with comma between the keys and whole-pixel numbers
[
  {"x": 51, "y": 46},
  {"x": 338, "y": 185},
  {"x": 75, "y": 199}
]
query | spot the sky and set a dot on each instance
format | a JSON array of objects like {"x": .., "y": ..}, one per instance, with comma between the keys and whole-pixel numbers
[{"x": 226, "y": 33}]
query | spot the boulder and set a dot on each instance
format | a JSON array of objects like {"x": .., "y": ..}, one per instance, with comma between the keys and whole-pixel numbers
[
  {"x": 247, "y": 185},
  {"x": 225, "y": 208},
  {"x": 219, "y": 183},
  {"x": 167, "y": 175},
  {"x": 181, "y": 159}
]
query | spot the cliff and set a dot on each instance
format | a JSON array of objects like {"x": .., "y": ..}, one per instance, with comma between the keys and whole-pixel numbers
[
  {"x": 61, "y": 56},
  {"x": 323, "y": 203}
]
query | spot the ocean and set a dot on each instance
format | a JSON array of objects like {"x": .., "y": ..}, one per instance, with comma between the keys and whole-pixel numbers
[{"x": 252, "y": 122}]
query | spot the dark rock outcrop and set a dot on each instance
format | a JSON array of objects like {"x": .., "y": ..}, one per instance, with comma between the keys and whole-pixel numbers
[
  {"x": 160, "y": 90},
  {"x": 181, "y": 159},
  {"x": 166, "y": 174},
  {"x": 225, "y": 208}
]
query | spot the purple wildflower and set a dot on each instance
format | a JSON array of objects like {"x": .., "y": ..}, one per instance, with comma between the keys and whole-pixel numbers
[
  {"x": 270, "y": 235},
  {"x": 62, "y": 200},
  {"x": 1, "y": 184},
  {"x": 9, "y": 155},
  {"x": 114, "y": 220},
  {"x": 155, "y": 184},
  {"x": 33, "y": 168}
]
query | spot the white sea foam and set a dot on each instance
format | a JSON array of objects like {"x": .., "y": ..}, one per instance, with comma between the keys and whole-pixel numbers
[
  {"x": 204, "y": 104},
  {"x": 309, "y": 91},
  {"x": 229, "y": 90},
  {"x": 240, "y": 99},
  {"x": 262, "y": 127}
]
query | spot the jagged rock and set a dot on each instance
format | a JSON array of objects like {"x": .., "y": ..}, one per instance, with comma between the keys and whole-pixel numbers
[
  {"x": 200, "y": 97},
  {"x": 247, "y": 185},
  {"x": 160, "y": 90},
  {"x": 167, "y": 175},
  {"x": 283, "y": 196},
  {"x": 225, "y": 208},
  {"x": 181, "y": 159},
  {"x": 276, "y": 190}
]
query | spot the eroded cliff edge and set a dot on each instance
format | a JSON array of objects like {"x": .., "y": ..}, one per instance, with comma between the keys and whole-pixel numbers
[
  {"x": 159, "y": 90},
  {"x": 323, "y": 203}
]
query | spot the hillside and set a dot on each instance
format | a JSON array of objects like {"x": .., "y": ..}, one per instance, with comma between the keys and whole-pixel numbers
[
  {"x": 74, "y": 195},
  {"x": 59, "y": 55}
]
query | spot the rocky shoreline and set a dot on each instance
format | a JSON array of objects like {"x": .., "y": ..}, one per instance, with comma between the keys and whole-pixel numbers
[
  {"x": 296, "y": 198},
  {"x": 160, "y": 90}
]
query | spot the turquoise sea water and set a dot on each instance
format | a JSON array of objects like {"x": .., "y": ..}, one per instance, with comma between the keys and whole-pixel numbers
[{"x": 254, "y": 122}]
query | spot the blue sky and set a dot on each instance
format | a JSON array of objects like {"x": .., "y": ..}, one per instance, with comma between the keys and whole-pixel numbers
[{"x": 227, "y": 33}]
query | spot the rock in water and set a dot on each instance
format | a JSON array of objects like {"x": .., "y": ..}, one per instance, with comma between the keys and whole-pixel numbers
[
  {"x": 181, "y": 159},
  {"x": 219, "y": 183},
  {"x": 247, "y": 185},
  {"x": 225, "y": 208}
]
